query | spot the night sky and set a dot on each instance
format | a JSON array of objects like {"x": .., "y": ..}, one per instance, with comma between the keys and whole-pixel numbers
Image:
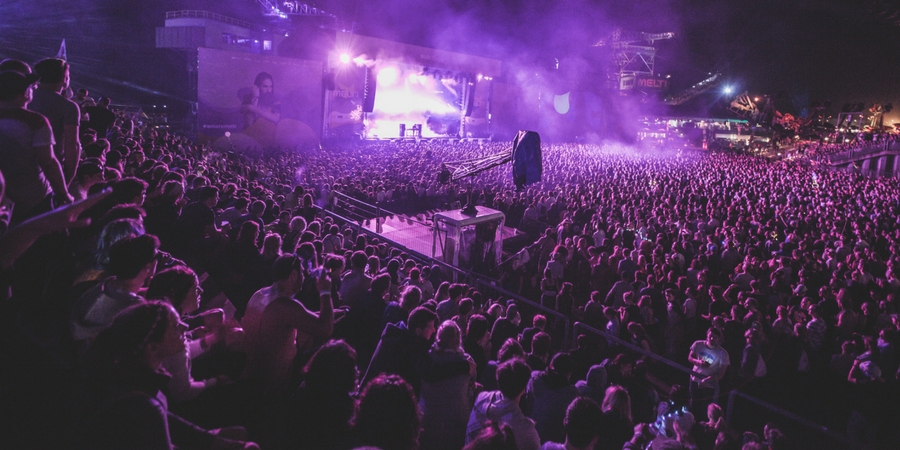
[{"x": 796, "y": 50}]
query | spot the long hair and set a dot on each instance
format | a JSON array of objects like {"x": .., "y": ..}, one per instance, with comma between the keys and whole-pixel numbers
[
  {"x": 618, "y": 401},
  {"x": 494, "y": 436},
  {"x": 387, "y": 415},
  {"x": 125, "y": 342},
  {"x": 271, "y": 246},
  {"x": 262, "y": 76},
  {"x": 443, "y": 291},
  {"x": 332, "y": 369},
  {"x": 249, "y": 233},
  {"x": 448, "y": 337},
  {"x": 170, "y": 193}
]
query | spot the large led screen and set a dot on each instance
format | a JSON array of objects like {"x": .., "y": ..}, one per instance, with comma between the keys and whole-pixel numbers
[{"x": 261, "y": 101}]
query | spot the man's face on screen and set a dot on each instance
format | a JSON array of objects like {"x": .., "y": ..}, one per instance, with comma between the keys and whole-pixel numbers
[{"x": 266, "y": 86}]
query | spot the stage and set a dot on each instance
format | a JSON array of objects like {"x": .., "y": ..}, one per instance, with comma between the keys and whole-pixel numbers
[{"x": 416, "y": 233}]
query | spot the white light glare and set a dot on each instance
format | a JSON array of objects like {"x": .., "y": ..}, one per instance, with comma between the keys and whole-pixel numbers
[{"x": 345, "y": 58}]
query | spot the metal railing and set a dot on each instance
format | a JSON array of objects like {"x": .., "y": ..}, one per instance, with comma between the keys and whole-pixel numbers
[
  {"x": 489, "y": 287},
  {"x": 579, "y": 326},
  {"x": 743, "y": 411},
  {"x": 356, "y": 210},
  {"x": 872, "y": 173},
  {"x": 197, "y": 14},
  {"x": 561, "y": 321},
  {"x": 804, "y": 433},
  {"x": 738, "y": 403},
  {"x": 866, "y": 150}
]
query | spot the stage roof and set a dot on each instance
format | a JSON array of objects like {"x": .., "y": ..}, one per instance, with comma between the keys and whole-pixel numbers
[{"x": 385, "y": 50}]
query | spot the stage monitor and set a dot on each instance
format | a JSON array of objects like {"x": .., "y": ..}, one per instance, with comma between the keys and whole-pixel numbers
[{"x": 527, "y": 166}]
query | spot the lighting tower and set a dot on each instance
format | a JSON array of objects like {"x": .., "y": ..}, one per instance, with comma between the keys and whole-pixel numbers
[{"x": 630, "y": 60}]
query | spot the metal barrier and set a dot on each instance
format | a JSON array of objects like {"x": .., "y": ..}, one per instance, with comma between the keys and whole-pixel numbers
[
  {"x": 744, "y": 411},
  {"x": 675, "y": 370},
  {"x": 489, "y": 287},
  {"x": 634, "y": 348},
  {"x": 418, "y": 233},
  {"x": 865, "y": 150},
  {"x": 748, "y": 412},
  {"x": 197, "y": 14},
  {"x": 559, "y": 319},
  {"x": 738, "y": 406},
  {"x": 356, "y": 210},
  {"x": 872, "y": 173}
]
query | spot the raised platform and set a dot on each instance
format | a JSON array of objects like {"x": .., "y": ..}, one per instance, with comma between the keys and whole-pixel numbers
[{"x": 415, "y": 233}]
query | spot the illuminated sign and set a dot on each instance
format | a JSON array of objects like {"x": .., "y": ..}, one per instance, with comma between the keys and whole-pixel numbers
[{"x": 654, "y": 83}]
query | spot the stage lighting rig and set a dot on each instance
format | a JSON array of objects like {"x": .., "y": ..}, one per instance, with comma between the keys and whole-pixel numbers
[{"x": 525, "y": 154}]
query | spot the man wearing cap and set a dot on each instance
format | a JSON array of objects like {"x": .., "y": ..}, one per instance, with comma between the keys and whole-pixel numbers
[
  {"x": 26, "y": 151},
  {"x": 63, "y": 114}
]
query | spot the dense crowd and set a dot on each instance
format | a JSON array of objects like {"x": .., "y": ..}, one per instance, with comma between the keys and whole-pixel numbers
[
  {"x": 843, "y": 145},
  {"x": 158, "y": 294}
]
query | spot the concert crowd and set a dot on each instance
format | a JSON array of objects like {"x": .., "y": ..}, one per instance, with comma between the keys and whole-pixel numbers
[{"x": 158, "y": 294}]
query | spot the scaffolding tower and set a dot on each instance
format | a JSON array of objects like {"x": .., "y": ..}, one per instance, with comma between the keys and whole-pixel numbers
[{"x": 629, "y": 60}]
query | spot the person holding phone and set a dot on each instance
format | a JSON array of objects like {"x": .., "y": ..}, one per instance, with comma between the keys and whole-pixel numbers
[
  {"x": 710, "y": 362},
  {"x": 276, "y": 325}
]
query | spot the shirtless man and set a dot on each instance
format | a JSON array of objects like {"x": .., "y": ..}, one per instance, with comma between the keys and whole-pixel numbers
[{"x": 276, "y": 325}]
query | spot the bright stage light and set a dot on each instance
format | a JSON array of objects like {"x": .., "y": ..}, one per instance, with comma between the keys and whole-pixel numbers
[
  {"x": 388, "y": 76},
  {"x": 407, "y": 96},
  {"x": 727, "y": 89},
  {"x": 345, "y": 58}
]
